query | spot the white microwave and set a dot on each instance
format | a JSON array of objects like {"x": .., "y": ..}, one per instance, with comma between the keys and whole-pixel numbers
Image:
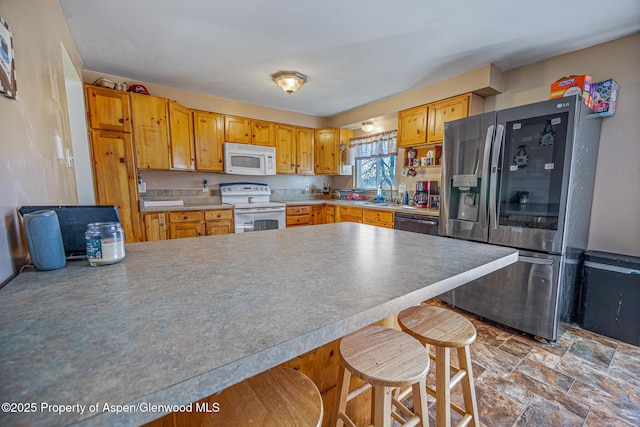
[{"x": 245, "y": 159}]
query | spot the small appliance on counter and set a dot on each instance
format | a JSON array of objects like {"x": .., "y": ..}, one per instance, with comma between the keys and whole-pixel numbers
[{"x": 427, "y": 194}]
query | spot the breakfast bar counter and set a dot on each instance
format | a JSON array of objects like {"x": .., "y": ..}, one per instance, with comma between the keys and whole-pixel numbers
[{"x": 178, "y": 320}]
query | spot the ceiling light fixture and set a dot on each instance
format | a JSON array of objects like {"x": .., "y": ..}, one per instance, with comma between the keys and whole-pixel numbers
[
  {"x": 367, "y": 126},
  {"x": 289, "y": 81}
]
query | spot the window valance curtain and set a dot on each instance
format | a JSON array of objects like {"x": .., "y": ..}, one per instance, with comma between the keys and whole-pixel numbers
[{"x": 379, "y": 145}]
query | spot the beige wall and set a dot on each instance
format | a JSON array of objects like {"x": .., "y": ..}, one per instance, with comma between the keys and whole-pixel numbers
[
  {"x": 615, "y": 216},
  {"x": 30, "y": 172}
]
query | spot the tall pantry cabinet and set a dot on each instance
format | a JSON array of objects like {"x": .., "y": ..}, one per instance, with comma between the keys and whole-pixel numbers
[{"x": 113, "y": 156}]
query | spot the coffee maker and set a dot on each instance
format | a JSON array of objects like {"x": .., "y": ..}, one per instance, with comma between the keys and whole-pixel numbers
[{"x": 427, "y": 194}]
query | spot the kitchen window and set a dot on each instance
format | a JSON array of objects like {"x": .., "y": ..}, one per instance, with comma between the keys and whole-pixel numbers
[{"x": 375, "y": 159}]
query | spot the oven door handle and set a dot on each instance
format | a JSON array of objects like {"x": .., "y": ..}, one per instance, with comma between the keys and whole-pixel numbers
[{"x": 259, "y": 210}]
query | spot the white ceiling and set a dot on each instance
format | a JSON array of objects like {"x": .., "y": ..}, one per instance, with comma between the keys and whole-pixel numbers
[{"x": 353, "y": 51}]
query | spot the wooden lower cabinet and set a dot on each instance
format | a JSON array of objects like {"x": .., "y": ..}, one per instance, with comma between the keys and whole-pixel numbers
[
  {"x": 298, "y": 215},
  {"x": 379, "y": 218},
  {"x": 182, "y": 224},
  {"x": 218, "y": 222},
  {"x": 155, "y": 226},
  {"x": 348, "y": 214}
]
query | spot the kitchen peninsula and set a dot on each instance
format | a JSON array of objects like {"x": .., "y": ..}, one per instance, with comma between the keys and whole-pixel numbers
[{"x": 182, "y": 319}]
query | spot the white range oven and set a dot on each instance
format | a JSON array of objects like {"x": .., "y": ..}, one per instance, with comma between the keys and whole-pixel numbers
[{"x": 253, "y": 209}]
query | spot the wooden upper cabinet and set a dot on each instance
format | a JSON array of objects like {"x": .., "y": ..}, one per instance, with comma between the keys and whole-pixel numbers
[
  {"x": 326, "y": 147},
  {"x": 412, "y": 126},
  {"x": 425, "y": 124},
  {"x": 237, "y": 129},
  {"x": 115, "y": 179},
  {"x": 305, "y": 143},
  {"x": 285, "y": 149},
  {"x": 263, "y": 133},
  {"x": 181, "y": 131},
  {"x": 150, "y": 131},
  {"x": 208, "y": 129},
  {"x": 108, "y": 109},
  {"x": 445, "y": 111}
]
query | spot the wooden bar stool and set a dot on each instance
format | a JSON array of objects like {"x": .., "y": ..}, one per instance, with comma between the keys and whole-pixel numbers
[
  {"x": 445, "y": 330},
  {"x": 385, "y": 358},
  {"x": 279, "y": 397}
]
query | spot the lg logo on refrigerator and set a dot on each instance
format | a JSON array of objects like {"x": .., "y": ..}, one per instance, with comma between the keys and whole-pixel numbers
[{"x": 562, "y": 104}]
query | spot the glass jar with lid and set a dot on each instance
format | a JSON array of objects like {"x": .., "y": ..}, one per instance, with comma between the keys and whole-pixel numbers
[{"x": 104, "y": 243}]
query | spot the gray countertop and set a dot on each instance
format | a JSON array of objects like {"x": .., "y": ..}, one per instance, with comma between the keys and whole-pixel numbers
[{"x": 182, "y": 319}]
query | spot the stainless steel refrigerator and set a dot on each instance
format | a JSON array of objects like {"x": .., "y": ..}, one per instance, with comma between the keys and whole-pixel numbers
[{"x": 523, "y": 177}]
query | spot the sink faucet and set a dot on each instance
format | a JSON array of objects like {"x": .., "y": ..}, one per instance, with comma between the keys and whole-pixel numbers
[{"x": 390, "y": 188}]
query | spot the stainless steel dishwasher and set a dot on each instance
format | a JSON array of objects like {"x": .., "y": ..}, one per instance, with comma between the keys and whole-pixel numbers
[{"x": 416, "y": 223}]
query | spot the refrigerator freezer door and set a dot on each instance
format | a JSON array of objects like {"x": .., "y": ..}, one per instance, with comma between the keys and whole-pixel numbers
[
  {"x": 465, "y": 177},
  {"x": 524, "y": 296},
  {"x": 532, "y": 172}
]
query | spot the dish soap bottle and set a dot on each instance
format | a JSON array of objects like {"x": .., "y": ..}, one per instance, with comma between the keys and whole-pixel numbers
[{"x": 379, "y": 193}]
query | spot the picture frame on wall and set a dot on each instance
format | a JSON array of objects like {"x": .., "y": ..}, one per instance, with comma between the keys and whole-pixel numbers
[{"x": 8, "y": 85}]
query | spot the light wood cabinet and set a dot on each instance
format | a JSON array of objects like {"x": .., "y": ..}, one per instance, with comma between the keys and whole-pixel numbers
[
  {"x": 294, "y": 149},
  {"x": 329, "y": 214},
  {"x": 325, "y": 152},
  {"x": 298, "y": 215},
  {"x": 245, "y": 131},
  {"x": 379, "y": 218},
  {"x": 263, "y": 133},
  {"x": 445, "y": 111},
  {"x": 150, "y": 135},
  {"x": 318, "y": 215},
  {"x": 108, "y": 109},
  {"x": 305, "y": 144},
  {"x": 181, "y": 131},
  {"x": 155, "y": 226},
  {"x": 412, "y": 126},
  {"x": 218, "y": 222},
  {"x": 200, "y": 223},
  {"x": 286, "y": 149},
  {"x": 237, "y": 129},
  {"x": 115, "y": 180},
  {"x": 348, "y": 214},
  {"x": 208, "y": 132},
  {"x": 184, "y": 224},
  {"x": 424, "y": 124}
]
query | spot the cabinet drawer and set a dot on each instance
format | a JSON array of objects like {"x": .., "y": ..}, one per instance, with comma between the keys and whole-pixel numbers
[
  {"x": 185, "y": 216},
  {"x": 348, "y": 211},
  {"x": 293, "y": 220},
  {"x": 377, "y": 216},
  {"x": 298, "y": 210},
  {"x": 225, "y": 214}
]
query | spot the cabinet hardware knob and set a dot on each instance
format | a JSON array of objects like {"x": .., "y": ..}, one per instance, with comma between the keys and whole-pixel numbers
[
  {"x": 122, "y": 160},
  {"x": 121, "y": 120}
]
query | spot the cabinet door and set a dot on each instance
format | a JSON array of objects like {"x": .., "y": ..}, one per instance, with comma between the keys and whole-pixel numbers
[
  {"x": 330, "y": 214},
  {"x": 325, "y": 151},
  {"x": 209, "y": 137},
  {"x": 150, "y": 131},
  {"x": 218, "y": 222},
  {"x": 108, "y": 109},
  {"x": 155, "y": 226},
  {"x": 444, "y": 111},
  {"x": 348, "y": 214},
  {"x": 114, "y": 172},
  {"x": 262, "y": 133},
  {"x": 237, "y": 129},
  {"x": 181, "y": 130},
  {"x": 305, "y": 143},
  {"x": 412, "y": 126},
  {"x": 379, "y": 218},
  {"x": 183, "y": 230},
  {"x": 318, "y": 215},
  {"x": 285, "y": 149}
]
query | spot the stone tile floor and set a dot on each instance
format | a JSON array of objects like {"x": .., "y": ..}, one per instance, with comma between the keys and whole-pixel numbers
[{"x": 583, "y": 379}]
